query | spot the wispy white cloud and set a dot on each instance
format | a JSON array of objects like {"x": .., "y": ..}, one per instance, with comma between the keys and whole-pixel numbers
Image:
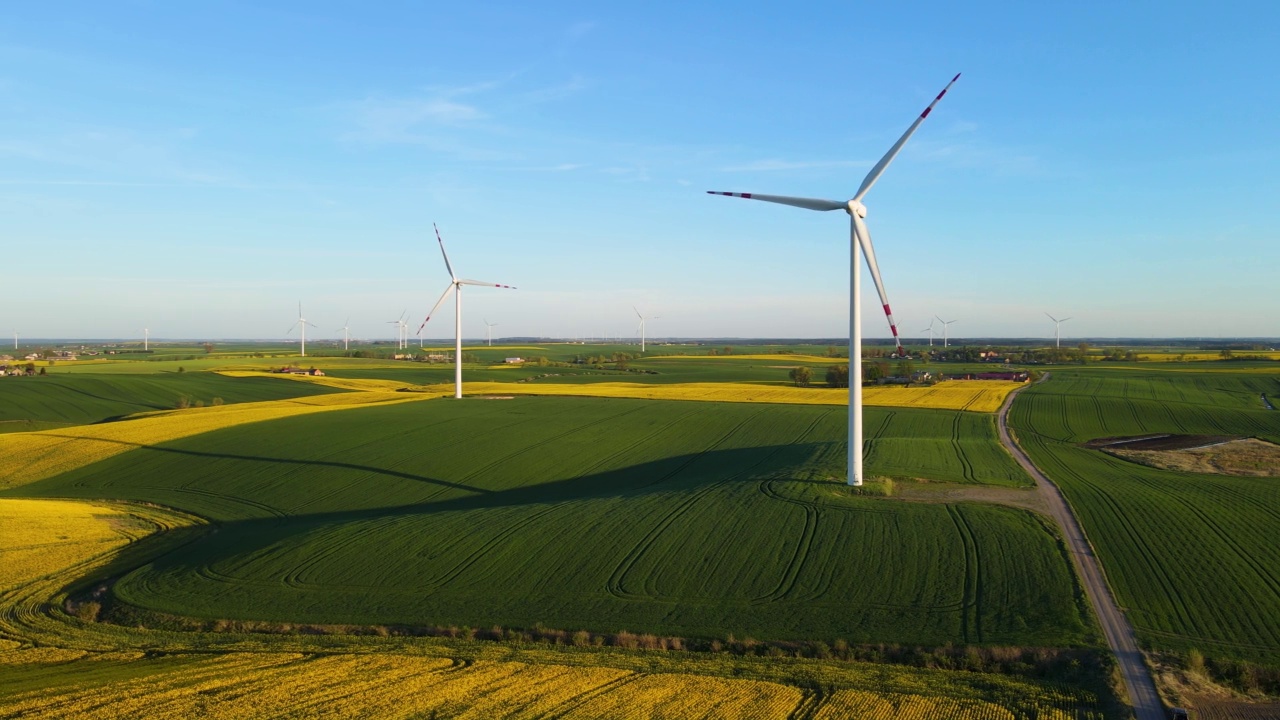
[{"x": 776, "y": 164}]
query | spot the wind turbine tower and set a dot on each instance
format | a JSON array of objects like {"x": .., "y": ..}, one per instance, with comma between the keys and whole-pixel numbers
[
  {"x": 346, "y": 335},
  {"x": 946, "y": 326},
  {"x": 1057, "y": 329},
  {"x": 641, "y": 328},
  {"x": 860, "y": 237},
  {"x": 146, "y": 340},
  {"x": 488, "y": 327},
  {"x": 301, "y": 324},
  {"x": 455, "y": 287},
  {"x": 930, "y": 331}
]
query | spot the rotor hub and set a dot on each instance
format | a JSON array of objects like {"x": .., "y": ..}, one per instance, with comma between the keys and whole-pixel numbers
[{"x": 857, "y": 208}]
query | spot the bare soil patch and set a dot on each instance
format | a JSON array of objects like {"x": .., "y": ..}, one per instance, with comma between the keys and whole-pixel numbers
[
  {"x": 1025, "y": 498},
  {"x": 1208, "y": 454},
  {"x": 1210, "y": 708}
]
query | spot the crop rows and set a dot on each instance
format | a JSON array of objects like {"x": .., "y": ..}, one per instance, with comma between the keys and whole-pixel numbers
[
  {"x": 267, "y": 676},
  {"x": 595, "y": 514},
  {"x": 1192, "y": 557}
]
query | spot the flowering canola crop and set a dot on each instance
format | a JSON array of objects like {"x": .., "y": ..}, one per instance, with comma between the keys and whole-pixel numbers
[{"x": 971, "y": 395}]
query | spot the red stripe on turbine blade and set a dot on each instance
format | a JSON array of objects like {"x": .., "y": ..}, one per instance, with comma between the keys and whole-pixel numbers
[
  {"x": 957, "y": 77},
  {"x": 746, "y": 195},
  {"x": 894, "y": 328},
  {"x": 925, "y": 114},
  {"x": 886, "y": 309}
]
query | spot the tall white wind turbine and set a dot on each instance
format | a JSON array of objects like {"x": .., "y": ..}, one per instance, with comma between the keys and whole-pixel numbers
[
  {"x": 402, "y": 330},
  {"x": 488, "y": 328},
  {"x": 860, "y": 237},
  {"x": 301, "y": 324},
  {"x": 946, "y": 326},
  {"x": 640, "y": 330},
  {"x": 346, "y": 335},
  {"x": 146, "y": 340},
  {"x": 455, "y": 287},
  {"x": 1057, "y": 330},
  {"x": 930, "y": 331},
  {"x": 15, "y": 339}
]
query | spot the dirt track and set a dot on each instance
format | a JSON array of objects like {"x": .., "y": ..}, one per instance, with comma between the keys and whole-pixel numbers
[{"x": 1137, "y": 678}]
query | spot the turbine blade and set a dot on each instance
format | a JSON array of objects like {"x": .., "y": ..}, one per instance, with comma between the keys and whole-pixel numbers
[
  {"x": 1064, "y": 319},
  {"x": 1052, "y": 317},
  {"x": 447, "y": 266},
  {"x": 485, "y": 284},
  {"x": 864, "y": 239},
  {"x": 893, "y": 151},
  {"x": 633, "y": 307},
  {"x": 806, "y": 203},
  {"x": 437, "y": 305}
]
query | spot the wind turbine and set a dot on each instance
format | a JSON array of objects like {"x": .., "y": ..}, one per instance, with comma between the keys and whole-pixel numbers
[
  {"x": 346, "y": 335},
  {"x": 146, "y": 340},
  {"x": 401, "y": 330},
  {"x": 860, "y": 236},
  {"x": 455, "y": 287},
  {"x": 641, "y": 328},
  {"x": 1057, "y": 330},
  {"x": 301, "y": 323},
  {"x": 15, "y": 339},
  {"x": 488, "y": 327},
  {"x": 946, "y": 325},
  {"x": 930, "y": 331}
]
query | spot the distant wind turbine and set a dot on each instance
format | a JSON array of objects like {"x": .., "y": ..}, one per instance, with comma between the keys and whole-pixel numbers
[
  {"x": 860, "y": 236},
  {"x": 402, "y": 330},
  {"x": 346, "y": 335},
  {"x": 641, "y": 328},
  {"x": 946, "y": 325},
  {"x": 455, "y": 287},
  {"x": 146, "y": 340},
  {"x": 488, "y": 327},
  {"x": 1057, "y": 329},
  {"x": 15, "y": 339},
  {"x": 302, "y": 325},
  {"x": 930, "y": 331}
]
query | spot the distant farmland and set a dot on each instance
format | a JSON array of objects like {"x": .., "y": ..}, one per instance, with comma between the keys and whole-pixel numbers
[
  {"x": 1192, "y": 557},
  {"x": 675, "y": 518}
]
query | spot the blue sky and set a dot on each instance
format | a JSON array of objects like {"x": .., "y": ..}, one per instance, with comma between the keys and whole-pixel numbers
[{"x": 200, "y": 168}]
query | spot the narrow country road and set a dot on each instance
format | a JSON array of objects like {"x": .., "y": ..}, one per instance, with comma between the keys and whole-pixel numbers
[{"x": 1137, "y": 678}]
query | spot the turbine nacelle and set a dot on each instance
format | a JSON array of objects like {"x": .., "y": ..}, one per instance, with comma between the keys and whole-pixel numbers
[{"x": 853, "y": 207}]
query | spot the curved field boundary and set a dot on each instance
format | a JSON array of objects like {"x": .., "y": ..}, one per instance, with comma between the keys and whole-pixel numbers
[
  {"x": 32, "y": 456},
  {"x": 1119, "y": 633},
  {"x": 56, "y": 666}
]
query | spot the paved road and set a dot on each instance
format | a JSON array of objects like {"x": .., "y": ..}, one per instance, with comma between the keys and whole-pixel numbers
[{"x": 1137, "y": 678}]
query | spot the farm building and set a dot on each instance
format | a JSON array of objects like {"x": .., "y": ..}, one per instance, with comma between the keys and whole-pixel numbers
[{"x": 513, "y": 360}]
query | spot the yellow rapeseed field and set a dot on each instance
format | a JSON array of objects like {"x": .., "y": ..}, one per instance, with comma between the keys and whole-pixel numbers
[
  {"x": 357, "y": 384},
  {"x": 972, "y": 395},
  {"x": 39, "y": 538},
  {"x": 27, "y": 457},
  {"x": 782, "y": 357}
]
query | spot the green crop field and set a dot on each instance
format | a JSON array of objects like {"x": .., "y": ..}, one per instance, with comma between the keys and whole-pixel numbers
[
  {"x": 691, "y": 519},
  {"x": 1192, "y": 557},
  {"x": 55, "y": 400}
]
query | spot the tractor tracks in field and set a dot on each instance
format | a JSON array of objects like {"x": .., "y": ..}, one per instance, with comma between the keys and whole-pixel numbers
[{"x": 1115, "y": 626}]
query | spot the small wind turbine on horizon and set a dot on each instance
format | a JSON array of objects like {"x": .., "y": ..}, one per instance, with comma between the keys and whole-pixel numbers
[
  {"x": 302, "y": 325},
  {"x": 930, "y": 331},
  {"x": 946, "y": 326},
  {"x": 640, "y": 330},
  {"x": 402, "y": 330},
  {"x": 146, "y": 340},
  {"x": 346, "y": 335},
  {"x": 1057, "y": 329},
  {"x": 15, "y": 339},
  {"x": 488, "y": 328},
  {"x": 860, "y": 237},
  {"x": 455, "y": 287}
]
